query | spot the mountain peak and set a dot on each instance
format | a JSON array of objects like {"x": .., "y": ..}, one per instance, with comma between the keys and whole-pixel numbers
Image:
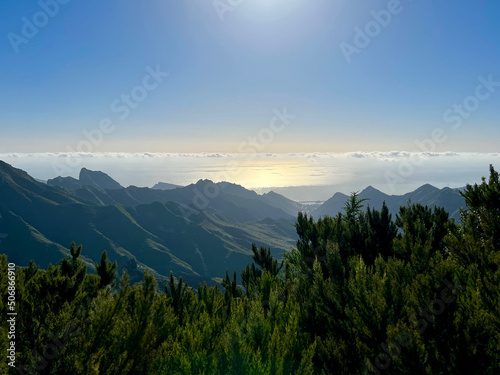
[
  {"x": 338, "y": 194},
  {"x": 202, "y": 181},
  {"x": 271, "y": 194},
  {"x": 426, "y": 188},
  {"x": 8, "y": 170},
  {"x": 165, "y": 186},
  {"x": 370, "y": 189},
  {"x": 65, "y": 182},
  {"x": 98, "y": 180},
  {"x": 19, "y": 187}
]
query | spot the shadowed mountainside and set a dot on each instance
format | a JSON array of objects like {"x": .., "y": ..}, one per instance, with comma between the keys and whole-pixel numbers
[
  {"x": 95, "y": 179},
  {"x": 40, "y": 221}
]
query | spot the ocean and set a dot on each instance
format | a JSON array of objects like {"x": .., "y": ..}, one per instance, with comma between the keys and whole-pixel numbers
[{"x": 315, "y": 176}]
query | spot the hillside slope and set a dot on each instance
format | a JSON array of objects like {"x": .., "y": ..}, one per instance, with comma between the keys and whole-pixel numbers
[{"x": 40, "y": 221}]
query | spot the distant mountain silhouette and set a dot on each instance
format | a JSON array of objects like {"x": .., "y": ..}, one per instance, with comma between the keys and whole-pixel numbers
[
  {"x": 95, "y": 179},
  {"x": 233, "y": 201},
  {"x": 65, "y": 182},
  {"x": 165, "y": 186},
  {"x": 426, "y": 195}
]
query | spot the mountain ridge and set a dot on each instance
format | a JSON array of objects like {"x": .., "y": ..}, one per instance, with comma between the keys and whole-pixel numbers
[
  {"x": 40, "y": 221},
  {"x": 198, "y": 231},
  {"x": 427, "y": 195},
  {"x": 165, "y": 186},
  {"x": 96, "y": 179}
]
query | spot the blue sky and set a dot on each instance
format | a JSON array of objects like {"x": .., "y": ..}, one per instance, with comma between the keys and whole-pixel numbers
[{"x": 228, "y": 76}]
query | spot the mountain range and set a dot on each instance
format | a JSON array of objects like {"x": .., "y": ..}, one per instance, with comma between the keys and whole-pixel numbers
[
  {"x": 195, "y": 234},
  {"x": 426, "y": 195},
  {"x": 198, "y": 231}
]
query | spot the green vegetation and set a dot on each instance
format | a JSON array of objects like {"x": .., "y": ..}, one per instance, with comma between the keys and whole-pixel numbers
[{"x": 361, "y": 293}]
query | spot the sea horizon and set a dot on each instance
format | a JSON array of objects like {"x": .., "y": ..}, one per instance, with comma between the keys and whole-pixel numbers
[{"x": 308, "y": 176}]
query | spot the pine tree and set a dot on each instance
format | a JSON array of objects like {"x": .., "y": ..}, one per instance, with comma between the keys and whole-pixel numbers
[{"x": 107, "y": 271}]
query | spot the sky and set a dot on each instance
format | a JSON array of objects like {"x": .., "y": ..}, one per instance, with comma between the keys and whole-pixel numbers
[
  {"x": 229, "y": 67},
  {"x": 249, "y": 76}
]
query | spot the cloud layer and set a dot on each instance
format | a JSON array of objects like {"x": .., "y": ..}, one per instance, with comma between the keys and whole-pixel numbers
[{"x": 392, "y": 172}]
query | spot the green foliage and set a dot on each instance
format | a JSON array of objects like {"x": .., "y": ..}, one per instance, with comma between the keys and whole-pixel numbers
[
  {"x": 264, "y": 259},
  {"x": 106, "y": 270},
  {"x": 361, "y": 293},
  {"x": 353, "y": 207}
]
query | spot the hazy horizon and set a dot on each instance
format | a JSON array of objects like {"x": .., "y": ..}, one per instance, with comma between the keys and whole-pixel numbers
[{"x": 324, "y": 173}]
